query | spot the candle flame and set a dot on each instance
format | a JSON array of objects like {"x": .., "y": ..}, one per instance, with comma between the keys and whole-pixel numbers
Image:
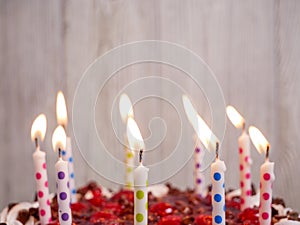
[
  {"x": 190, "y": 112},
  {"x": 59, "y": 138},
  {"x": 235, "y": 117},
  {"x": 125, "y": 107},
  {"x": 38, "y": 128},
  {"x": 61, "y": 110},
  {"x": 258, "y": 140},
  {"x": 206, "y": 136},
  {"x": 135, "y": 138}
]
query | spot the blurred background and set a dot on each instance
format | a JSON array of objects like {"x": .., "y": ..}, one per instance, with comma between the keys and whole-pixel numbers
[{"x": 251, "y": 46}]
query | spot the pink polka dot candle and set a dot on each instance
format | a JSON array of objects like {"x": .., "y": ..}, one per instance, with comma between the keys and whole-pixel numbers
[
  {"x": 38, "y": 131},
  {"x": 244, "y": 157},
  {"x": 67, "y": 155},
  {"x": 267, "y": 177},
  {"x": 62, "y": 178}
]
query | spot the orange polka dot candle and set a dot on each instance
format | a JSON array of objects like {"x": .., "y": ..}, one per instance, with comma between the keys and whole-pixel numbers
[
  {"x": 67, "y": 154},
  {"x": 140, "y": 174},
  {"x": 244, "y": 156},
  {"x": 267, "y": 176},
  {"x": 38, "y": 131},
  {"x": 62, "y": 178}
]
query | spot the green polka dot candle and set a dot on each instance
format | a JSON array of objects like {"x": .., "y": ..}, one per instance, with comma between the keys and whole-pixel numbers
[
  {"x": 141, "y": 195},
  {"x": 140, "y": 174}
]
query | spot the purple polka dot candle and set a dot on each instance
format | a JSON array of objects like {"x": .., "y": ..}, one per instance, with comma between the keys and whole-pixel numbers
[
  {"x": 67, "y": 155},
  {"x": 39, "y": 158},
  {"x": 62, "y": 178},
  {"x": 200, "y": 184}
]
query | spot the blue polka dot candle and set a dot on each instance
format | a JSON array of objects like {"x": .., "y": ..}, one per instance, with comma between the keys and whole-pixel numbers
[
  {"x": 267, "y": 176},
  {"x": 218, "y": 169},
  {"x": 244, "y": 157},
  {"x": 67, "y": 155},
  {"x": 140, "y": 175},
  {"x": 126, "y": 111},
  {"x": 62, "y": 178},
  {"x": 38, "y": 132}
]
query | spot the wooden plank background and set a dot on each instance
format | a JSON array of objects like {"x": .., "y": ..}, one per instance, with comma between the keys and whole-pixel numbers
[{"x": 252, "y": 46}]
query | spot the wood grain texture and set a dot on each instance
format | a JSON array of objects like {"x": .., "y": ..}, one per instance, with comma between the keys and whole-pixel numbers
[{"x": 252, "y": 47}]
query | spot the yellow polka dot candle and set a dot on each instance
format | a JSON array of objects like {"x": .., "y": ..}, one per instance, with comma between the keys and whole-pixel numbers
[
  {"x": 38, "y": 131},
  {"x": 140, "y": 175},
  {"x": 244, "y": 157},
  {"x": 126, "y": 111},
  {"x": 267, "y": 176},
  {"x": 67, "y": 155},
  {"x": 62, "y": 178}
]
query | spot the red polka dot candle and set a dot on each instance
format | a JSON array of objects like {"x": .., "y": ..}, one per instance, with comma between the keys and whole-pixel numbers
[
  {"x": 126, "y": 111},
  {"x": 38, "y": 131},
  {"x": 62, "y": 178},
  {"x": 267, "y": 177},
  {"x": 67, "y": 155},
  {"x": 136, "y": 143},
  {"x": 244, "y": 157}
]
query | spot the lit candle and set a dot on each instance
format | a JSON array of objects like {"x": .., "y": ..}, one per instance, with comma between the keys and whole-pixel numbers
[
  {"x": 218, "y": 168},
  {"x": 267, "y": 176},
  {"x": 199, "y": 178},
  {"x": 244, "y": 156},
  {"x": 38, "y": 131},
  {"x": 126, "y": 111},
  {"x": 62, "y": 178},
  {"x": 136, "y": 143},
  {"x": 67, "y": 155}
]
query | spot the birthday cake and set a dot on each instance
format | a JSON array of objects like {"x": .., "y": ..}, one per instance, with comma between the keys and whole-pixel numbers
[{"x": 167, "y": 205}]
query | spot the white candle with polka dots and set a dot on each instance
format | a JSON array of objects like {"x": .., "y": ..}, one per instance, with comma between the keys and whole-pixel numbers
[
  {"x": 67, "y": 155},
  {"x": 38, "y": 131},
  {"x": 62, "y": 191},
  {"x": 129, "y": 162},
  {"x": 267, "y": 178},
  {"x": 136, "y": 143},
  {"x": 245, "y": 170},
  {"x": 244, "y": 156},
  {"x": 218, "y": 169},
  {"x": 141, "y": 195},
  {"x": 62, "y": 178},
  {"x": 200, "y": 184}
]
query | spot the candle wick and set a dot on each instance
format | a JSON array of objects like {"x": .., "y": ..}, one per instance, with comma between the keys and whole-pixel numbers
[
  {"x": 36, "y": 141},
  {"x": 267, "y": 152},
  {"x": 217, "y": 150},
  {"x": 141, "y": 156},
  {"x": 244, "y": 126},
  {"x": 59, "y": 152}
]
